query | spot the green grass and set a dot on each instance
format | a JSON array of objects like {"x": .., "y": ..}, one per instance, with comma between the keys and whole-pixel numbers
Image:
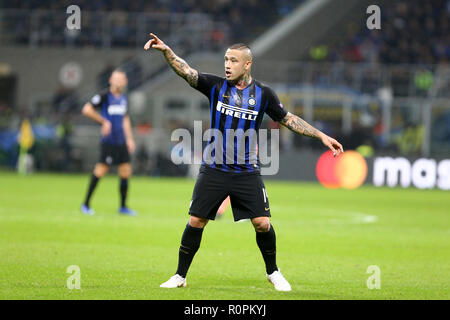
[{"x": 326, "y": 239}]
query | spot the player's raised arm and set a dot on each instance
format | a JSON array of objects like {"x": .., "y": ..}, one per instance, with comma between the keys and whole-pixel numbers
[
  {"x": 300, "y": 126},
  {"x": 178, "y": 65}
]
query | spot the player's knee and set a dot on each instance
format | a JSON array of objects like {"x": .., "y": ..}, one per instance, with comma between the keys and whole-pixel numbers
[
  {"x": 125, "y": 175},
  {"x": 197, "y": 222},
  {"x": 261, "y": 224},
  {"x": 125, "y": 172},
  {"x": 262, "y": 228},
  {"x": 100, "y": 172}
]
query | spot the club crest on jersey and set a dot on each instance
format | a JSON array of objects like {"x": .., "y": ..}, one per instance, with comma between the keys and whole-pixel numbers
[
  {"x": 251, "y": 102},
  {"x": 236, "y": 111}
]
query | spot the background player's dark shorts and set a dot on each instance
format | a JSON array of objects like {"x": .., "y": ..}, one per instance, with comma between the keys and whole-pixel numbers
[
  {"x": 114, "y": 154},
  {"x": 246, "y": 190}
]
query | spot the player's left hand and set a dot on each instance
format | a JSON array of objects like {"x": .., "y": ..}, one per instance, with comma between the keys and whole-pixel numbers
[
  {"x": 333, "y": 145},
  {"x": 131, "y": 145}
]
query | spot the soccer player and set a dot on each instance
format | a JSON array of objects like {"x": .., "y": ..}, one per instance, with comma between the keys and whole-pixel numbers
[
  {"x": 237, "y": 102},
  {"x": 109, "y": 108}
]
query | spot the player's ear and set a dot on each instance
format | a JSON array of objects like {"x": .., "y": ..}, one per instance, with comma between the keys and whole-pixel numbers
[{"x": 248, "y": 65}]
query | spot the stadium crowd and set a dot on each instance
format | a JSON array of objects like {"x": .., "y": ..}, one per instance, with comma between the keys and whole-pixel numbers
[
  {"x": 123, "y": 29},
  {"x": 412, "y": 32}
]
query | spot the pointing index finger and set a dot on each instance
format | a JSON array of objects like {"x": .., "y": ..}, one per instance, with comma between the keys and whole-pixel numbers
[{"x": 154, "y": 36}]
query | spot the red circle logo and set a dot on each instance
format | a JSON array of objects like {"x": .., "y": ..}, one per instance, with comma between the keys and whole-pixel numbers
[{"x": 348, "y": 171}]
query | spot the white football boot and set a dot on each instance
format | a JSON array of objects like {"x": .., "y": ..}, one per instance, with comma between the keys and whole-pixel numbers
[
  {"x": 278, "y": 281},
  {"x": 174, "y": 282}
]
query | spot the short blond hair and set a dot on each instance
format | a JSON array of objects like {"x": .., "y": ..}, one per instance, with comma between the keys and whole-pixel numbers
[{"x": 242, "y": 46}]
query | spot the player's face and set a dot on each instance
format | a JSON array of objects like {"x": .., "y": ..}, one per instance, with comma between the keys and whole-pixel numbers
[
  {"x": 118, "y": 81},
  {"x": 237, "y": 63}
]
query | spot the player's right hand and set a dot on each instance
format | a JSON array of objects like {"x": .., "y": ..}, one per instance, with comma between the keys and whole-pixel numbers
[
  {"x": 106, "y": 128},
  {"x": 155, "y": 43},
  {"x": 333, "y": 145}
]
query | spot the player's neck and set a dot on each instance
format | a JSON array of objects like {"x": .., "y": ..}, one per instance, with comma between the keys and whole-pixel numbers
[
  {"x": 115, "y": 92},
  {"x": 243, "y": 82}
]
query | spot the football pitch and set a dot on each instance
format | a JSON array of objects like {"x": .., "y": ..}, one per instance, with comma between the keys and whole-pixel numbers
[{"x": 326, "y": 241}]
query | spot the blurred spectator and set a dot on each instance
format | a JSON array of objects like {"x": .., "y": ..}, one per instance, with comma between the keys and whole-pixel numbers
[
  {"x": 65, "y": 101},
  {"x": 413, "y": 32}
]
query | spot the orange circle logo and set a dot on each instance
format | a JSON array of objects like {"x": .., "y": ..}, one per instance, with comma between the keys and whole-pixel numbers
[{"x": 348, "y": 171}]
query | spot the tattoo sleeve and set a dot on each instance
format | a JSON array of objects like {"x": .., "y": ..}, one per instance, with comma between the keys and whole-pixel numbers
[
  {"x": 298, "y": 125},
  {"x": 181, "y": 68}
]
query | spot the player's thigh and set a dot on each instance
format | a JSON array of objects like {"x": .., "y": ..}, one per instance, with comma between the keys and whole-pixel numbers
[
  {"x": 124, "y": 170},
  {"x": 209, "y": 193},
  {"x": 249, "y": 197},
  {"x": 122, "y": 157},
  {"x": 100, "y": 170}
]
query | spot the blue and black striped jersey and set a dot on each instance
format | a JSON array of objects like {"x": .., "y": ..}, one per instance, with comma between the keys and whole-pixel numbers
[
  {"x": 236, "y": 117},
  {"x": 113, "y": 109}
]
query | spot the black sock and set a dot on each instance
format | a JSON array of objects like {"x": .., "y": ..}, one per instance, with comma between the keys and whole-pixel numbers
[
  {"x": 267, "y": 244},
  {"x": 92, "y": 185},
  {"x": 190, "y": 242},
  {"x": 123, "y": 191}
]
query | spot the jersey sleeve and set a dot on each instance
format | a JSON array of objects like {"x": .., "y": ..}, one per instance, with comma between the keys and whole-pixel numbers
[
  {"x": 206, "y": 81},
  {"x": 98, "y": 100},
  {"x": 274, "y": 108}
]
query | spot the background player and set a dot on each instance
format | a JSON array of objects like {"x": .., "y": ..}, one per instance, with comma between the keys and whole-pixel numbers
[
  {"x": 109, "y": 108},
  {"x": 246, "y": 101}
]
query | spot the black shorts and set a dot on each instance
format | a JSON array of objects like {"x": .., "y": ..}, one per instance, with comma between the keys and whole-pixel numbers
[
  {"x": 246, "y": 190},
  {"x": 114, "y": 154}
]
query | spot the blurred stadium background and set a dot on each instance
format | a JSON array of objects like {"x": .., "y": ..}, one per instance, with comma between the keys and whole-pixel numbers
[{"x": 384, "y": 91}]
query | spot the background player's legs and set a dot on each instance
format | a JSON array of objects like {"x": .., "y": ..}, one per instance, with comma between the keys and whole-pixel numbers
[
  {"x": 99, "y": 171},
  {"x": 266, "y": 240},
  {"x": 124, "y": 171}
]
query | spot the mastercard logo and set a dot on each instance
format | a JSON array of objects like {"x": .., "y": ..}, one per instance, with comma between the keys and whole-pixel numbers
[{"x": 349, "y": 170}]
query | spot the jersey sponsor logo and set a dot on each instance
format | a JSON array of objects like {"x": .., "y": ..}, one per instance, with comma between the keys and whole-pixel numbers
[
  {"x": 236, "y": 111},
  {"x": 117, "y": 109}
]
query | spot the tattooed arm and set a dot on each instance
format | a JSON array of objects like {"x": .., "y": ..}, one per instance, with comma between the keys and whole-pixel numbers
[
  {"x": 181, "y": 68},
  {"x": 178, "y": 65},
  {"x": 300, "y": 126}
]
